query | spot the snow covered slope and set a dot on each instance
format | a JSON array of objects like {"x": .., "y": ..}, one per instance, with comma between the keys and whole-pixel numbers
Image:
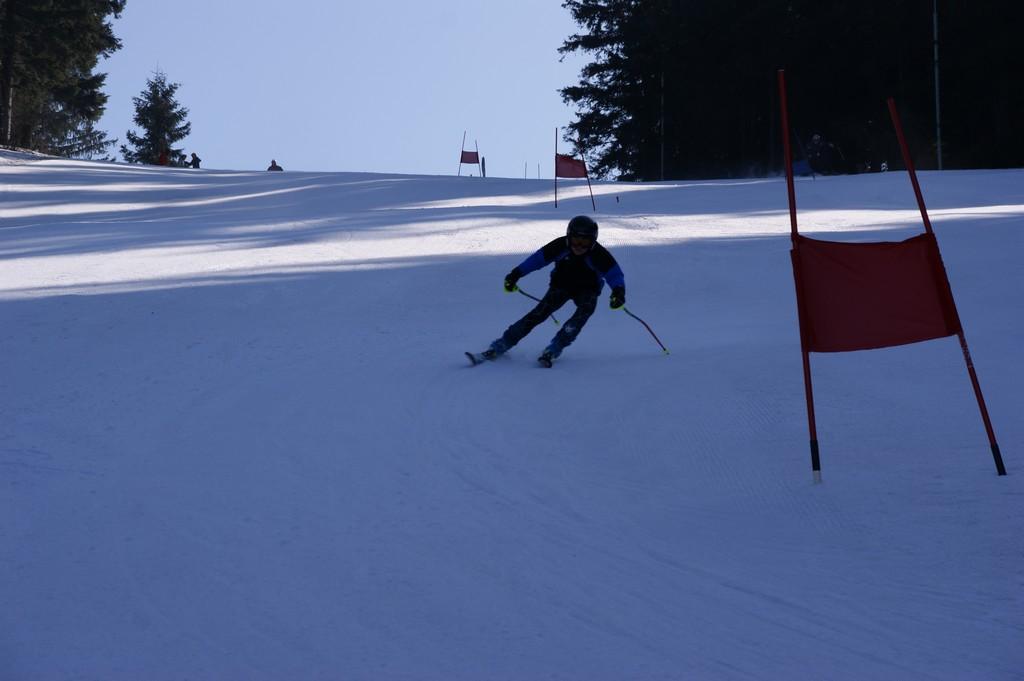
[{"x": 239, "y": 439}]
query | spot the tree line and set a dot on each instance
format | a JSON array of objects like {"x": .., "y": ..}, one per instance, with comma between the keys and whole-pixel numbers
[
  {"x": 680, "y": 89},
  {"x": 51, "y": 96},
  {"x": 675, "y": 89}
]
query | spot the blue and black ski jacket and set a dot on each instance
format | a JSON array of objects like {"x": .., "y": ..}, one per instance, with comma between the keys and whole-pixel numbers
[{"x": 576, "y": 273}]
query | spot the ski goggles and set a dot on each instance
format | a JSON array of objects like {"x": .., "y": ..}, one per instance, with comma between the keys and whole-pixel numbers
[{"x": 581, "y": 241}]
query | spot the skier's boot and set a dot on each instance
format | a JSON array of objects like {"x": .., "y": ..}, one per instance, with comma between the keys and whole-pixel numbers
[
  {"x": 481, "y": 357},
  {"x": 546, "y": 359}
]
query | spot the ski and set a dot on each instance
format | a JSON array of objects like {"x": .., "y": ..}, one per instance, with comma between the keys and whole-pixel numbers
[
  {"x": 476, "y": 358},
  {"x": 479, "y": 357}
]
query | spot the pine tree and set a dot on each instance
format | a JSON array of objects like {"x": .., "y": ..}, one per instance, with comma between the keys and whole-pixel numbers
[
  {"x": 686, "y": 88},
  {"x": 601, "y": 128},
  {"x": 163, "y": 123},
  {"x": 627, "y": 97},
  {"x": 50, "y": 97}
]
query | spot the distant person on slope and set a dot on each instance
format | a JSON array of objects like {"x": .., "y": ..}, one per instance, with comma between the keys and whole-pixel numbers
[
  {"x": 194, "y": 163},
  {"x": 581, "y": 267},
  {"x": 274, "y": 166}
]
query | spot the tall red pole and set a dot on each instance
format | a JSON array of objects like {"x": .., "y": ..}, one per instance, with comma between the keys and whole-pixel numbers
[
  {"x": 795, "y": 254},
  {"x": 556, "y": 167},
  {"x": 944, "y": 279},
  {"x": 788, "y": 155}
]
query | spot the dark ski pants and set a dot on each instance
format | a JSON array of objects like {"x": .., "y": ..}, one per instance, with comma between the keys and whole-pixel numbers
[{"x": 555, "y": 298}]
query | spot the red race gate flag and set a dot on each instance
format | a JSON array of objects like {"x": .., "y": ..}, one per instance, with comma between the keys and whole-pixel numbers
[
  {"x": 469, "y": 157},
  {"x": 567, "y": 166},
  {"x": 860, "y": 296}
]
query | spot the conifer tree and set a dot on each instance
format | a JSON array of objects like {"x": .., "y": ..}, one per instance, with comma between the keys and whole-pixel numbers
[
  {"x": 50, "y": 97},
  {"x": 687, "y": 88},
  {"x": 605, "y": 87},
  {"x": 163, "y": 122}
]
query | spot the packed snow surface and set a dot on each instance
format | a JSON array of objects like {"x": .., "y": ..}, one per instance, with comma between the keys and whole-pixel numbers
[{"x": 239, "y": 438}]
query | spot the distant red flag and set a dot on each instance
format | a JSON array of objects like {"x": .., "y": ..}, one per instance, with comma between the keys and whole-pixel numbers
[
  {"x": 470, "y": 157},
  {"x": 567, "y": 166},
  {"x": 859, "y": 296}
]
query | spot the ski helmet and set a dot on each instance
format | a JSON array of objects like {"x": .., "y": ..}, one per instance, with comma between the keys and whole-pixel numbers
[{"x": 581, "y": 225}]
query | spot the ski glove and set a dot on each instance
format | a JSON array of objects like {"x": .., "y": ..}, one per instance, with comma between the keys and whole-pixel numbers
[
  {"x": 618, "y": 298},
  {"x": 510, "y": 280}
]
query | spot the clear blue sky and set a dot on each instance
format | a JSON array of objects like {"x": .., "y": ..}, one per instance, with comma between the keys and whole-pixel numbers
[{"x": 386, "y": 86}]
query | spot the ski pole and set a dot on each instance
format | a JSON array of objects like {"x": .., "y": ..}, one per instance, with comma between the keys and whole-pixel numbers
[
  {"x": 626, "y": 310},
  {"x": 557, "y": 323}
]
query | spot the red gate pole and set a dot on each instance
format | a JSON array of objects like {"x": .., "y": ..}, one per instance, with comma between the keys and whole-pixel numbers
[
  {"x": 556, "y": 167},
  {"x": 909, "y": 163},
  {"x": 808, "y": 389}
]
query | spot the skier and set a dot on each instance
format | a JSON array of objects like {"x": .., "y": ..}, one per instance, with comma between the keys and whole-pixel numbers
[
  {"x": 194, "y": 163},
  {"x": 581, "y": 267},
  {"x": 273, "y": 165},
  {"x": 825, "y": 157}
]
